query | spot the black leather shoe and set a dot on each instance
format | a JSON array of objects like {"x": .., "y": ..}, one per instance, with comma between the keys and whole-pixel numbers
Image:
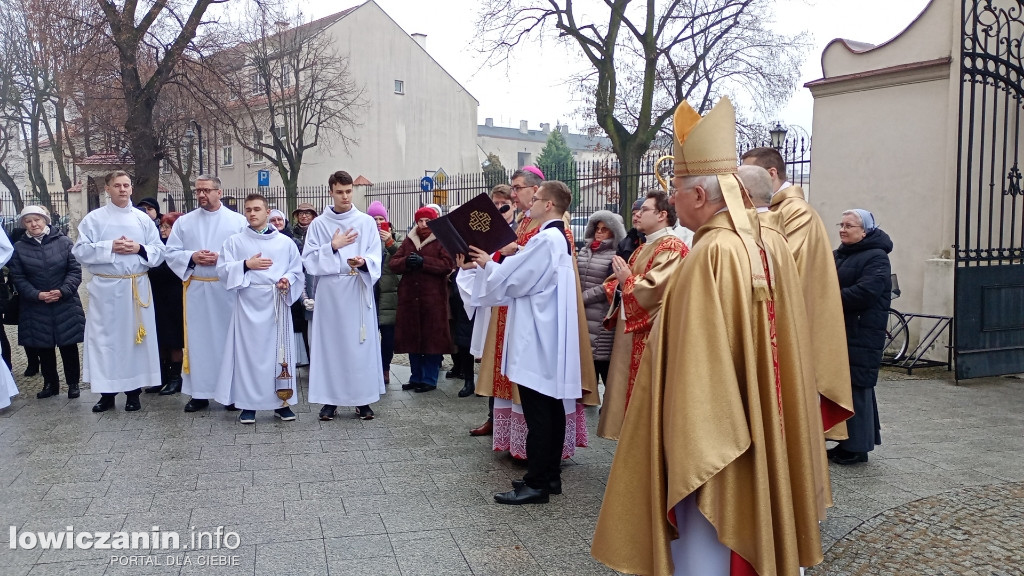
[
  {"x": 106, "y": 403},
  {"x": 132, "y": 404},
  {"x": 73, "y": 391},
  {"x": 467, "y": 390},
  {"x": 173, "y": 386},
  {"x": 851, "y": 458},
  {"x": 425, "y": 388},
  {"x": 49, "y": 389},
  {"x": 31, "y": 371},
  {"x": 328, "y": 412},
  {"x": 554, "y": 487},
  {"x": 231, "y": 408},
  {"x": 410, "y": 385},
  {"x": 195, "y": 405},
  {"x": 522, "y": 495},
  {"x": 453, "y": 374}
]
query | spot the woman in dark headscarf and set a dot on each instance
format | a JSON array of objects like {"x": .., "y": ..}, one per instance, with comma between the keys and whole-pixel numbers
[
  {"x": 865, "y": 284},
  {"x": 152, "y": 207}
]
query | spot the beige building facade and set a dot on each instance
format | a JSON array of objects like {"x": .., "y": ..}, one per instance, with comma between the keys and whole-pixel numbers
[{"x": 893, "y": 136}]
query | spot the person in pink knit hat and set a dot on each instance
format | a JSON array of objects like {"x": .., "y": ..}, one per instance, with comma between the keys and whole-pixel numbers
[{"x": 385, "y": 291}]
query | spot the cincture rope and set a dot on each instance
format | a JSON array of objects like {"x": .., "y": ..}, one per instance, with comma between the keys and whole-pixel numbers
[
  {"x": 140, "y": 334},
  {"x": 184, "y": 311}
]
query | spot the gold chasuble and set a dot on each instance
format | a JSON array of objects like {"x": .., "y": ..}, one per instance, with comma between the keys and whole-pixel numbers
[
  {"x": 809, "y": 243},
  {"x": 719, "y": 415},
  {"x": 651, "y": 267}
]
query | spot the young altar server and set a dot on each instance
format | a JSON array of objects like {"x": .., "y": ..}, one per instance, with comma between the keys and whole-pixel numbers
[
  {"x": 343, "y": 252},
  {"x": 542, "y": 339},
  {"x": 119, "y": 244},
  {"x": 264, "y": 270}
]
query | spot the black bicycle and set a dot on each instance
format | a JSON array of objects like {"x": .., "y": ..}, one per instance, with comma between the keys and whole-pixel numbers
[{"x": 897, "y": 335}]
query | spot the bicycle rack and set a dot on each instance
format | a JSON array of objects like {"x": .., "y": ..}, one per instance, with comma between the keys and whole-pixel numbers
[{"x": 914, "y": 360}]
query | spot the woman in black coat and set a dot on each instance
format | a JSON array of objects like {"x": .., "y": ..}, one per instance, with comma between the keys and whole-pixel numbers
[
  {"x": 169, "y": 315},
  {"x": 47, "y": 277},
  {"x": 865, "y": 284}
]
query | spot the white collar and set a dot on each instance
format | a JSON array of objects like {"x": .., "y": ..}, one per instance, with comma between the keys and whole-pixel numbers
[
  {"x": 653, "y": 236},
  {"x": 786, "y": 184}
]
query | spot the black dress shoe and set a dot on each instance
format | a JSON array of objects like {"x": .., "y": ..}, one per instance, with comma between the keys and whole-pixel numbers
[
  {"x": 106, "y": 403},
  {"x": 196, "y": 404},
  {"x": 231, "y": 408},
  {"x": 49, "y": 389},
  {"x": 851, "y": 458},
  {"x": 173, "y": 386},
  {"x": 132, "y": 404},
  {"x": 467, "y": 390},
  {"x": 410, "y": 385},
  {"x": 554, "y": 487},
  {"x": 425, "y": 388},
  {"x": 328, "y": 412},
  {"x": 73, "y": 391},
  {"x": 453, "y": 373},
  {"x": 522, "y": 495}
]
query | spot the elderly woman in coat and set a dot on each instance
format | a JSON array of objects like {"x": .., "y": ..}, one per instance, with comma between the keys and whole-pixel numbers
[
  {"x": 604, "y": 232},
  {"x": 422, "y": 327},
  {"x": 47, "y": 276},
  {"x": 865, "y": 284}
]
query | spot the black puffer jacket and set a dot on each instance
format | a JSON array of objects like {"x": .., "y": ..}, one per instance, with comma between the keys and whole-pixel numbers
[
  {"x": 865, "y": 284},
  {"x": 39, "y": 268}
]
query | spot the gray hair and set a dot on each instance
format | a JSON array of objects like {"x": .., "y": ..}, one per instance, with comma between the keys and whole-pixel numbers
[
  {"x": 758, "y": 183},
  {"x": 530, "y": 178},
  {"x": 209, "y": 178},
  {"x": 709, "y": 182}
]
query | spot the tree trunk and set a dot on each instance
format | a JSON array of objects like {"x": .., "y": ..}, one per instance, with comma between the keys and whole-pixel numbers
[
  {"x": 12, "y": 186},
  {"x": 629, "y": 180},
  {"x": 291, "y": 189},
  {"x": 35, "y": 162},
  {"x": 143, "y": 144}
]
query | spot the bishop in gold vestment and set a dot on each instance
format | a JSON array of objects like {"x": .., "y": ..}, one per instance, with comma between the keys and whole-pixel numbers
[{"x": 713, "y": 475}]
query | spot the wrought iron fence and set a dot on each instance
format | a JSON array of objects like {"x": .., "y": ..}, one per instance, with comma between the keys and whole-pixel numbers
[
  {"x": 595, "y": 186},
  {"x": 58, "y": 206}
]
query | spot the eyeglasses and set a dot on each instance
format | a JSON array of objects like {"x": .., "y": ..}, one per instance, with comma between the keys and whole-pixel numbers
[
  {"x": 647, "y": 209},
  {"x": 516, "y": 188},
  {"x": 206, "y": 190},
  {"x": 843, "y": 226},
  {"x": 536, "y": 198}
]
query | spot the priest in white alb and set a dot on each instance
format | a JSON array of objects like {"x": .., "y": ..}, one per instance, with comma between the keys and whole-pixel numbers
[
  {"x": 193, "y": 251},
  {"x": 343, "y": 252},
  {"x": 118, "y": 244},
  {"x": 263, "y": 269},
  {"x": 542, "y": 341}
]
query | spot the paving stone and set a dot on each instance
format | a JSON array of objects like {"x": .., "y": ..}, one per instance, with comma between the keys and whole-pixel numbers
[{"x": 293, "y": 558}]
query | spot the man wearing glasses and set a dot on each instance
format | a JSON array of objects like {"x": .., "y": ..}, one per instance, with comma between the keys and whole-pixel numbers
[
  {"x": 808, "y": 241},
  {"x": 193, "y": 250},
  {"x": 636, "y": 290}
]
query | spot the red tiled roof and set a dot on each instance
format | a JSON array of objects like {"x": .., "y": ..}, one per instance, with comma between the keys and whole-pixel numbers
[{"x": 362, "y": 181}]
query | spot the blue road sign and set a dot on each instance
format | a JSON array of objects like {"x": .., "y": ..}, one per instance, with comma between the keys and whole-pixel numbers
[
  {"x": 427, "y": 184},
  {"x": 263, "y": 178}
]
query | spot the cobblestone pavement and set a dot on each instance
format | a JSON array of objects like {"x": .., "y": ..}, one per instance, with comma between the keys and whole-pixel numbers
[{"x": 411, "y": 492}]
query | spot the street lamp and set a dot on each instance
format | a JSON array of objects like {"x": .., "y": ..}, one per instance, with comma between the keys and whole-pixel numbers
[
  {"x": 190, "y": 135},
  {"x": 778, "y": 135}
]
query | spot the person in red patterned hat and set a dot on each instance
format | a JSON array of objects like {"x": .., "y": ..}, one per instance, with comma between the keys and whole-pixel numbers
[{"x": 421, "y": 328}]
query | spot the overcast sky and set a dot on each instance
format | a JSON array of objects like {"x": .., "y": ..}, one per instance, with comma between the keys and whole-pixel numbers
[{"x": 449, "y": 26}]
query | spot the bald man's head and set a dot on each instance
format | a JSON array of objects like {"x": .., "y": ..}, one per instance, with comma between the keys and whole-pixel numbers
[{"x": 758, "y": 183}]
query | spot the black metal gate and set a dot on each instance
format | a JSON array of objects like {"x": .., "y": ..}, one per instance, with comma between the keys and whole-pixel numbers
[{"x": 989, "y": 277}]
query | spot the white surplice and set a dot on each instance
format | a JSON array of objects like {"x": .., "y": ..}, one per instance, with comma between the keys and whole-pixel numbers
[
  {"x": 249, "y": 370},
  {"x": 345, "y": 364},
  {"x": 8, "y": 389},
  {"x": 208, "y": 304},
  {"x": 112, "y": 361},
  {"x": 541, "y": 349}
]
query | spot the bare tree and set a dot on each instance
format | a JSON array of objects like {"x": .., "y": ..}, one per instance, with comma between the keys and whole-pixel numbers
[
  {"x": 645, "y": 57},
  {"x": 161, "y": 32},
  {"x": 283, "y": 90}
]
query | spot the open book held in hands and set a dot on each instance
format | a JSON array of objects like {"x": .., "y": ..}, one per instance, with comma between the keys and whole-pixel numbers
[{"x": 476, "y": 223}]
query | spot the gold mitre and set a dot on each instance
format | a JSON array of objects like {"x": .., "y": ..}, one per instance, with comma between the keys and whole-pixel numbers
[
  {"x": 707, "y": 147},
  {"x": 704, "y": 146}
]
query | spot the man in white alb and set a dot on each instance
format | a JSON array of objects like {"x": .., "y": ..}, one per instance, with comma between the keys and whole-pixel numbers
[
  {"x": 119, "y": 244},
  {"x": 193, "y": 250}
]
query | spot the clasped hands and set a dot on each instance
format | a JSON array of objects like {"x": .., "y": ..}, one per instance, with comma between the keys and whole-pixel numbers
[
  {"x": 477, "y": 258},
  {"x": 125, "y": 245},
  {"x": 50, "y": 296},
  {"x": 205, "y": 258}
]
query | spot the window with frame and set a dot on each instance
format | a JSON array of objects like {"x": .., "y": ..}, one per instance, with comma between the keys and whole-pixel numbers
[
  {"x": 399, "y": 87},
  {"x": 165, "y": 166},
  {"x": 281, "y": 132},
  {"x": 226, "y": 151},
  {"x": 286, "y": 74},
  {"x": 257, "y": 141},
  {"x": 51, "y": 170},
  {"x": 256, "y": 83}
]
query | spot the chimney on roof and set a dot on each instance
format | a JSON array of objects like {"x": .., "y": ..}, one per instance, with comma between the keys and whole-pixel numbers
[
  {"x": 489, "y": 122},
  {"x": 420, "y": 39},
  {"x": 545, "y": 127},
  {"x": 564, "y": 129},
  {"x": 524, "y": 127}
]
